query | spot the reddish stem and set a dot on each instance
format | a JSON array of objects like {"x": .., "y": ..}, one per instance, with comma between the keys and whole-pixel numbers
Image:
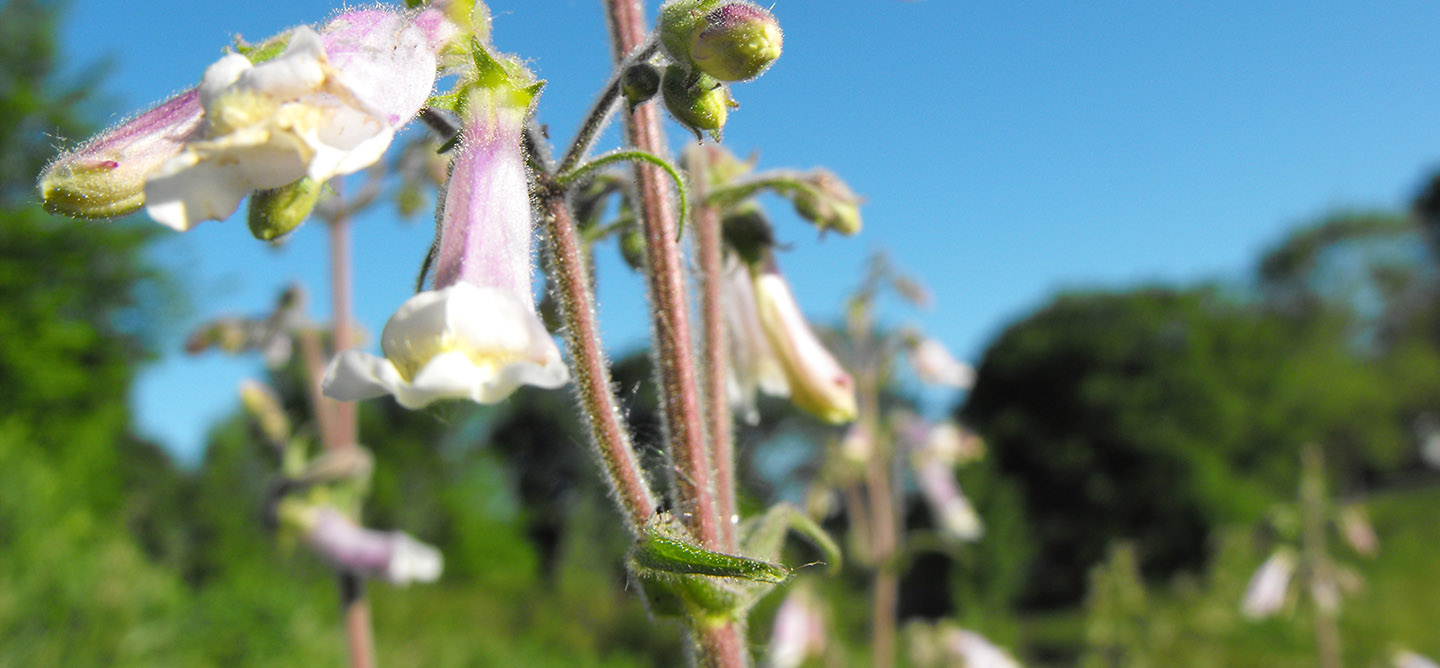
[
  {"x": 674, "y": 358},
  {"x": 710, "y": 249}
]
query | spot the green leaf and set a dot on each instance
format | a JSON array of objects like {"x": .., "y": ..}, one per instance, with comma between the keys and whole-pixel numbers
[{"x": 664, "y": 552}]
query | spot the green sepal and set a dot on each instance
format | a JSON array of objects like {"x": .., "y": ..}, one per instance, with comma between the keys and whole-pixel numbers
[
  {"x": 664, "y": 551},
  {"x": 764, "y": 536},
  {"x": 266, "y": 50}
]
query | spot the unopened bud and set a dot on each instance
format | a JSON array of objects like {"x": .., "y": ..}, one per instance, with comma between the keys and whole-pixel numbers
[
  {"x": 738, "y": 43},
  {"x": 679, "y": 22},
  {"x": 828, "y": 203},
  {"x": 105, "y": 177},
  {"x": 263, "y": 405},
  {"x": 632, "y": 248},
  {"x": 697, "y": 100},
  {"x": 639, "y": 83},
  {"x": 747, "y": 231},
  {"x": 277, "y": 212}
]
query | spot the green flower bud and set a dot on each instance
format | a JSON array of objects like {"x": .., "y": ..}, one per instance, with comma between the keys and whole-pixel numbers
[
  {"x": 828, "y": 203},
  {"x": 277, "y": 212},
  {"x": 680, "y": 21},
  {"x": 738, "y": 43},
  {"x": 697, "y": 100},
  {"x": 747, "y": 231},
  {"x": 632, "y": 248},
  {"x": 640, "y": 83}
]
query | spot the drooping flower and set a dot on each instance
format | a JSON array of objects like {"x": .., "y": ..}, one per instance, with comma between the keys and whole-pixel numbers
[
  {"x": 753, "y": 367},
  {"x": 1408, "y": 659},
  {"x": 328, "y": 105},
  {"x": 1269, "y": 586},
  {"x": 391, "y": 555},
  {"x": 477, "y": 335},
  {"x": 818, "y": 384},
  {"x": 974, "y": 650},
  {"x": 953, "y": 513}
]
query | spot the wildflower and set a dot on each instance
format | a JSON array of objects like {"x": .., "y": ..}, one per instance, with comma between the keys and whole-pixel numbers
[
  {"x": 328, "y": 105},
  {"x": 1408, "y": 659},
  {"x": 936, "y": 366},
  {"x": 974, "y": 650},
  {"x": 753, "y": 366},
  {"x": 1358, "y": 532},
  {"x": 476, "y": 336},
  {"x": 1267, "y": 591},
  {"x": 799, "y": 632},
  {"x": 818, "y": 385},
  {"x": 952, "y": 511},
  {"x": 391, "y": 555}
]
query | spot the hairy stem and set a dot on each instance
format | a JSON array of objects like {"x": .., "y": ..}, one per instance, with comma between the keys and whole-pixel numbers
[
  {"x": 592, "y": 372},
  {"x": 709, "y": 249},
  {"x": 599, "y": 114},
  {"x": 675, "y": 360}
]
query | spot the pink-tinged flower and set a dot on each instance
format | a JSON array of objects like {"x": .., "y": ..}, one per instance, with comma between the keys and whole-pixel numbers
[
  {"x": 477, "y": 335},
  {"x": 974, "y": 650},
  {"x": 799, "y": 632},
  {"x": 953, "y": 513},
  {"x": 390, "y": 555},
  {"x": 858, "y": 444},
  {"x": 936, "y": 366},
  {"x": 952, "y": 445},
  {"x": 1269, "y": 586},
  {"x": 105, "y": 176},
  {"x": 818, "y": 385},
  {"x": 753, "y": 367},
  {"x": 328, "y": 105}
]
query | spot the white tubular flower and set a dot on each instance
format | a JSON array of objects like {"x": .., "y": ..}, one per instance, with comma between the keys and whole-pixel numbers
[
  {"x": 952, "y": 511},
  {"x": 974, "y": 651},
  {"x": 391, "y": 555},
  {"x": 1358, "y": 532},
  {"x": 799, "y": 632},
  {"x": 477, "y": 336},
  {"x": 754, "y": 368},
  {"x": 1269, "y": 586},
  {"x": 818, "y": 385},
  {"x": 952, "y": 444},
  {"x": 328, "y": 105},
  {"x": 934, "y": 364}
]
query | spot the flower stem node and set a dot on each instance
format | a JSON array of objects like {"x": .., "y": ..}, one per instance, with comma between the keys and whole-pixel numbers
[
  {"x": 697, "y": 100},
  {"x": 276, "y": 212}
]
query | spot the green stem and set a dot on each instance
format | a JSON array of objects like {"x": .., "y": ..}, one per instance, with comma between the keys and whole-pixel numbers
[
  {"x": 599, "y": 114},
  {"x": 568, "y": 177}
]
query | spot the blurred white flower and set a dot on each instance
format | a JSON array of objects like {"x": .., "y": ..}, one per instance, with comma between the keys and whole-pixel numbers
[
  {"x": 1269, "y": 586},
  {"x": 753, "y": 366},
  {"x": 818, "y": 384},
  {"x": 1355, "y": 527},
  {"x": 974, "y": 651},
  {"x": 952, "y": 511},
  {"x": 799, "y": 631},
  {"x": 934, "y": 364},
  {"x": 1408, "y": 659},
  {"x": 392, "y": 555}
]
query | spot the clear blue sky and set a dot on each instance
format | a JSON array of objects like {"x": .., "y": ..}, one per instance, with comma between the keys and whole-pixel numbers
[{"x": 1006, "y": 150}]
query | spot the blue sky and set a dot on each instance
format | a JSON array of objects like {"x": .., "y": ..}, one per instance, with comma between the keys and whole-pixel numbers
[{"x": 1006, "y": 150}]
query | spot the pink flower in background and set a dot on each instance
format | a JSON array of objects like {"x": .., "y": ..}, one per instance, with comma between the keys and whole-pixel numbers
[
  {"x": 393, "y": 556},
  {"x": 934, "y": 364},
  {"x": 1269, "y": 586},
  {"x": 799, "y": 632}
]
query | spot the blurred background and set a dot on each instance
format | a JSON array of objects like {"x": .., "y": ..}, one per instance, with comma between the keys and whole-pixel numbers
[{"x": 1178, "y": 244}]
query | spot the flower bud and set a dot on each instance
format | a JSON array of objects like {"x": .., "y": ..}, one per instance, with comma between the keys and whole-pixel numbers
[
  {"x": 697, "y": 100},
  {"x": 105, "y": 177},
  {"x": 632, "y": 248},
  {"x": 639, "y": 83},
  {"x": 828, "y": 203},
  {"x": 276, "y": 212},
  {"x": 738, "y": 43},
  {"x": 264, "y": 407},
  {"x": 679, "y": 22},
  {"x": 747, "y": 231}
]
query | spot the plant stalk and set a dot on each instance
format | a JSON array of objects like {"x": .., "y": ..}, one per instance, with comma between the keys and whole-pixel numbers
[{"x": 674, "y": 357}]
